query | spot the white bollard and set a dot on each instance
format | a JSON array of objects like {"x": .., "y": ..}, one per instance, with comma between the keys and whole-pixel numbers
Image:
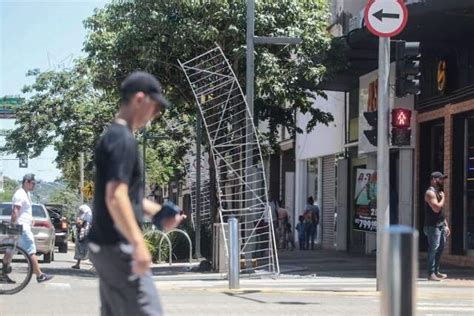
[{"x": 234, "y": 264}]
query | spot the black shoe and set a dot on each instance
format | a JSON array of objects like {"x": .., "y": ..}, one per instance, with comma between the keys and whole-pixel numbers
[
  {"x": 77, "y": 267},
  {"x": 6, "y": 279},
  {"x": 43, "y": 278}
]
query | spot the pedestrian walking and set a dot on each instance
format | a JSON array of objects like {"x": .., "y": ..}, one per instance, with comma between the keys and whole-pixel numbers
[
  {"x": 436, "y": 226},
  {"x": 311, "y": 220},
  {"x": 83, "y": 225},
  {"x": 301, "y": 232},
  {"x": 116, "y": 244},
  {"x": 22, "y": 214},
  {"x": 282, "y": 227}
]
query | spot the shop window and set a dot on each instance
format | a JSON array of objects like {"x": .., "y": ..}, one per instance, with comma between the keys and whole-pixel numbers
[
  {"x": 431, "y": 158},
  {"x": 469, "y": 185},
  {"x": 313, "y": 169},
  {"x": 353, "y": 116}
]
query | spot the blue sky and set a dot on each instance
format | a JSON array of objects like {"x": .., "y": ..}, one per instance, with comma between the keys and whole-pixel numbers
[{"x": 38, "y": 34}]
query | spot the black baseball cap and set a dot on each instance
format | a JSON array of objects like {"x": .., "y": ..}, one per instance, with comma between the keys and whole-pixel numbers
[
  {"x": 140, "y": 81},
  {"x": 438, "y": 175}
]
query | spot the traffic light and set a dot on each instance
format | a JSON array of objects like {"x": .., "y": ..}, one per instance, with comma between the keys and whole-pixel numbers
[
  {"x": 371, "y": 134},
  {"x": 401, "y": 132},
  {"x": 407, "y": 61},
  {"x": 23, "y": 162}
]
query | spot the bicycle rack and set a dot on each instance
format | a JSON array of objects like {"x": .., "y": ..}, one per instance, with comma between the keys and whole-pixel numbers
[
  {"x": 189, "y": 241},
  {"x": 165, "y": 236}
]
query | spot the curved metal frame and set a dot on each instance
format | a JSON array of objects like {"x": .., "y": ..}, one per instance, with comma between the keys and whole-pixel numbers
[
  {"x": 223, "y": 80},
  {"x": 187, "y": 237},
  {"x": 161, "y": 241}
]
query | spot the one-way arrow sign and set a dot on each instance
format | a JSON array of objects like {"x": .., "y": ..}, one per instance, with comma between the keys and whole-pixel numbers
[
  {"x": 385, "y": 18},
  {"x": 380, "y": 15}
]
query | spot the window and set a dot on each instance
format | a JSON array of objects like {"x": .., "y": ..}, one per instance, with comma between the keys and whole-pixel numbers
[
  {"x": 353, "y": 116},
  {"x": 6, "y": 210},
  {"x": 313, "y": 165}
]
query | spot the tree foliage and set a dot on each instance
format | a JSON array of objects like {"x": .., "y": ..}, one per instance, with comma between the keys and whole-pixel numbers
[
  {"x": 63, "y": 109},
  {"x": 71, "y": 108},
  {"x": 9, "y": 187},
  {"x": 152, "y": 35}
]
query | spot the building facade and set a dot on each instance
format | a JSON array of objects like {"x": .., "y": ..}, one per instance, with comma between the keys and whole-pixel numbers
[{"x": 442, "y": 123}]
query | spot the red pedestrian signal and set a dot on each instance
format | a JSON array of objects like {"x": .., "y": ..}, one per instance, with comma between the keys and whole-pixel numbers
[
  {"x": 401, "y": 122},
  {"x": 401, "y": 118}
]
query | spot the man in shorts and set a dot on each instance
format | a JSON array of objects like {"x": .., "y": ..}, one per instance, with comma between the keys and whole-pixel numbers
[
  {"x": 116, "y": 243},
  {"x": 22, "y": 214}
]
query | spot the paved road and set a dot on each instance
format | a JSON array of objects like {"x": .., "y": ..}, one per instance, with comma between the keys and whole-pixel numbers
[{"x": 185, "y": 293}]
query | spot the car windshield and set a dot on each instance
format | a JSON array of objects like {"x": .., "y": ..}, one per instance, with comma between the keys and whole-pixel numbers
[{"x": 6, "y": 210}]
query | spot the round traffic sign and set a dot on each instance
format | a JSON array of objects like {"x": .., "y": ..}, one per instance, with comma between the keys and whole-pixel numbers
[{"x": 385, "y": 18}]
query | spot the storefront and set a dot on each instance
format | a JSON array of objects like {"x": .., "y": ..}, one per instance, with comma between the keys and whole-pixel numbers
[
  {"x": 446, "y": 142},
  {"x": 316, "y": 173}
]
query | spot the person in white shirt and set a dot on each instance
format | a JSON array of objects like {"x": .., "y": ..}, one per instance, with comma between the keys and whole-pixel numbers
[{"x": 22, "y": 214}]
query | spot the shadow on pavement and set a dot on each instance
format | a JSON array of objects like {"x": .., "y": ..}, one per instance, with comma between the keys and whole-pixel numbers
[
  {"x": 255, "y": 300},
  {"x": 83, "y": 273}
]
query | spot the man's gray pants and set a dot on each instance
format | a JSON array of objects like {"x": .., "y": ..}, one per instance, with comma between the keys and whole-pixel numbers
[{"x": 122, "y": 292}]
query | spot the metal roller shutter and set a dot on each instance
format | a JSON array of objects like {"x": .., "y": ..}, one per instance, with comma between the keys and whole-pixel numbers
[{"x": 329, "y": 201}]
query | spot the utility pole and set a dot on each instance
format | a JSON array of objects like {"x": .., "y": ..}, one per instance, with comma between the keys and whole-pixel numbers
[
  {"x": 383, "y": 156},
  {"x": 81, "y": 176},
  {"x": 197, "y": 231},
  {"x": 251, "y": 40}
]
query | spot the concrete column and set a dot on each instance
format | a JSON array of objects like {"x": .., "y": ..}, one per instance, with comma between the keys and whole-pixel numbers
[
  {"x": 301, "y": 177},
  {"x": 405, "y": 187}
]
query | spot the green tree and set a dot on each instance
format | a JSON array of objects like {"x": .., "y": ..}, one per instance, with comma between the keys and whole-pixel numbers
[
  {"x": 152, "y": 35},
  {"x": 62, "y": 109},
  {"x": 68, "y": 198},
  {"x": 70, "y": 108},
  {"x": 9, "y": 187}
]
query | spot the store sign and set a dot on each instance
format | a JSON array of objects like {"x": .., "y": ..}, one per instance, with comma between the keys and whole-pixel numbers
[
  {"x": 8, "y": 106},
  {"x": 365, "y": 197},
  {"x": 441, "y": 76}
]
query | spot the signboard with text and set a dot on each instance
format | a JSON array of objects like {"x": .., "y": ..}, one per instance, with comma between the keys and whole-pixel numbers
[
  {"x": 8, "y": 105},
  {"x": 365, "y": 200}
]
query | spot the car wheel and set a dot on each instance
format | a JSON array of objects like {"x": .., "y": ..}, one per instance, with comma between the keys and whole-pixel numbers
[
  {"x": 48, "y": 257},
  {"x": 62, "y": 247}
]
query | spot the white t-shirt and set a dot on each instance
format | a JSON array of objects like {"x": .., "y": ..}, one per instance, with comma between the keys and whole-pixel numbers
[{"x": 22, "y": 199}]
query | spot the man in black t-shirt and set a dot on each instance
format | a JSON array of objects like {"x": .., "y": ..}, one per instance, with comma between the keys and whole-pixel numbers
[
  {"x": 116, "y": 243},
  {"x": 436, "y": 226}
]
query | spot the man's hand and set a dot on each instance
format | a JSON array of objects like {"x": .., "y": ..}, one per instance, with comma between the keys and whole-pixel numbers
[
  {"x": 441, "y": 194},
  {"x": 172, "y": 222},
  {"x": 169, "y": 217},
  {"x": 141, "y": 259},
  {"x": 448, "y": 231}
]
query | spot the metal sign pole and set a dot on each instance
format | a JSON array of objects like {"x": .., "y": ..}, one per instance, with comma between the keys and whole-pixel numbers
[
  {"x": 197, "y": 235},
  {"x": 383, "y": 156}
]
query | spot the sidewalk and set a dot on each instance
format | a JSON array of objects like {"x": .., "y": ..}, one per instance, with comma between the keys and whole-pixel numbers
[
  {"x": 343, "y": 264},
  {"x": 318, "y": 282}
]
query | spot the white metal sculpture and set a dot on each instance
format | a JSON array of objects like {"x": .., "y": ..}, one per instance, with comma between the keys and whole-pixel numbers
[{"x": 240, "y": 175}]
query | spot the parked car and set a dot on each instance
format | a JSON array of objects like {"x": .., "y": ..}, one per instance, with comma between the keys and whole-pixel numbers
[
  {"x": 61, "y": 225},
  {"x": 43, "y": 229}
]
